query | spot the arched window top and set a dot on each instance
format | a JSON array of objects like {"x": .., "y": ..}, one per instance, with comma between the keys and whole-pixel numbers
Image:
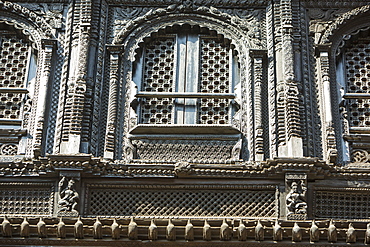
[{"x": 186, "y": 75}]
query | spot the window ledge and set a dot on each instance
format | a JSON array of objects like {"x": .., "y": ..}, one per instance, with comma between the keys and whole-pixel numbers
[{"x": 184, "y": 129}]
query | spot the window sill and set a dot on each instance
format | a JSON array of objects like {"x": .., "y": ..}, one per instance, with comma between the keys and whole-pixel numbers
[{"x": 184, "y": 129}]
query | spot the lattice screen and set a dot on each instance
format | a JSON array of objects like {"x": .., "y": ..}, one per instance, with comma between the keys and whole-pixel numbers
[
  {"x": 158, "y": 77},
  {"x": 358, "y": 78},
  {"x": 342, "y": 205},
  {"x": 171, "y": 202},
  {"x": 23, "y": 201},
  {"x": 184, "y": 150},
  {"x": 214, "y": 78}
]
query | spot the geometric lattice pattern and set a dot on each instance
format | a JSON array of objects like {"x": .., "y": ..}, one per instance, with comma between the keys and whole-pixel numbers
[
  {"x": 171, "y": 202},
  {"x": 358, "y": 78},
  {"x": 23, "y": 201},
  {"x": 158, "y": 77},
  {"x": 342, "y": 205},
  {"x": 184, "y": 150},
  {"x": 13, "y": 61},
  {"x": 214, "y": 78}
]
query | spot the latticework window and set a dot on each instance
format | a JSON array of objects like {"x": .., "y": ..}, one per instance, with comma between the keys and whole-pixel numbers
[
  {"x": 186, "y": 78},
  {"x": 357, "y": 58},
  {"x": 16, "y": 70}
]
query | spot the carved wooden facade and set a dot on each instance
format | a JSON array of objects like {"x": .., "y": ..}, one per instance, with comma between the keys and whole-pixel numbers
[{"x": 175, "y": 123}]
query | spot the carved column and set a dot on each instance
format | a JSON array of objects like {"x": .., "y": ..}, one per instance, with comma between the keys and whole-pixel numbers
[
  {"x": 296, "y": 196},
  {"x": 76, "y": 85},
  {"x": 48, "y": 47},
  {"x": 289, "y": 90},
  {"x": 329, "y": 140},
  {"x": 257, "y": 56},
  {"x": 110, "y": 137}
]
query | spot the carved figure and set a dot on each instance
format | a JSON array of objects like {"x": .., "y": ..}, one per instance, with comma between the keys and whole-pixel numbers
[
  {"x": 242, "y": 231},
  {"x": 189, "y": 231},
  {"x": 152, "y": 231},
  {"x": 97, "y": 229},
  {"x": 367, "y": 234},
  {"x": 351, "y": 234},
  {"x": 314, "y": 232},
  {"x": 61, "y": 229},
  {"x": 7, "y": 227},
  {"x": 332, "y": 232},
  {"x": 170, "y": 231},
  {"x": 277, "y": 232},
  {"x": 206, "y": 231},
  {"x": 296, "y": 199},
  {"x": 132, "y": 229},
  {"x": 79, "y": 228},
  {"x": 259, "y": 231},
  {"x": 69, "y": 197},
  {"x": 41, "y": 228},
  {"x": 296, "y": 233},
  {"x": 225, "y": 232},
  {"x": 25, "y": 228},
  {"x": 116, "y": 230}
]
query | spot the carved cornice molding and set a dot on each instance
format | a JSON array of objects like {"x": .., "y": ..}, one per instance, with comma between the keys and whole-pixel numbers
[
  {"x": 85, "y": 231},
  {"x": 216, "y": 3},
  {"x": 95, "y": 166}
]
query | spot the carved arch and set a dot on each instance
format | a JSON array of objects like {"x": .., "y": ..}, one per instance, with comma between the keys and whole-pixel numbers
[
  {"x": 339, "y": 26},
  {"x": 40, "y": 36},
  {"x": 122, "y": 88}
]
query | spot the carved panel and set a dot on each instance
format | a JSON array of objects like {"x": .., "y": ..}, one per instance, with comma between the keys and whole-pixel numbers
[
  {"x": 26, "y": 200},
  {"x": 214, "y": 201},
  {"x": 184, "y": 150}
]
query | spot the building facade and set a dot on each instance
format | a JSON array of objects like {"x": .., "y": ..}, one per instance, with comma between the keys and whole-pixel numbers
[{"x": 176, "y": 123}]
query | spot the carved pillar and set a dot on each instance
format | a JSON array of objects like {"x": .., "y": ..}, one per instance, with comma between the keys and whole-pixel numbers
[
  {"x": 329, "y": 140},
  {"x": 110, "y": 138},
  {"x": 76, "y": 86},
  {"x": 68, "y": 194},
  {"x": 289, "y": 90},
  {"x": 47, "y": 53},
  {"x": 257, "y": 56},
  {"x": 296, "y": 196}
]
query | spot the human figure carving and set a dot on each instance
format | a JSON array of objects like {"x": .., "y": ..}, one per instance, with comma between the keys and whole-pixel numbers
[
  {"x": 97, "y": 229},
  {"x": 132, "y": 229},
  {"x": 61, "y": 229},
  {"x": 296, "y": 199},
  {"x": 79, "y": 229},
  {"x": 225, "y": 232},
  {"x": 296, "y": 233},
  {"x": 259, "y": 231},
  {"x": 242, "y": 231},
  {"x": 351, "y": 234},
  {"x": 69, "y": 197},
  {"x": 206, "y": 231},
  {"x": 189, "y": 231},
  {"x": 41, "y": 228},
  {"x": 152, "y": 231},
  {"x": 277, "y": 232},
  {"x": 170, "y": 231},
  {"x": 332, "y": 232},
  {"x": 25, "y": 228},
  {"x": 115, "y": 230},
  {"x": 367, "y": 234},
  {"x": 7, "y": 227},
  {"x": 314, "y": 232}
]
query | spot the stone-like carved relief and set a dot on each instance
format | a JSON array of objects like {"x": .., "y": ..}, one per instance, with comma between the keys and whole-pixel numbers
[
  {"x": 296, "y": 199},
  {"x": 53, "y": 13},
  {"x": 68, "y": 196}
]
